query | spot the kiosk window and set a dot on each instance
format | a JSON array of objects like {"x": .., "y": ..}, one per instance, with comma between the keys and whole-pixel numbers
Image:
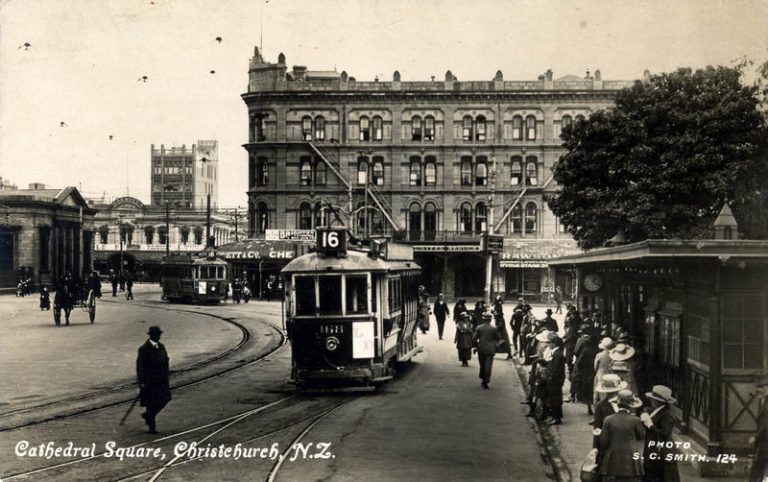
[
  {"x": 305, "y": 295},
  {"x": 357, "y": 294},
  {"x": 330, "y": 295}
]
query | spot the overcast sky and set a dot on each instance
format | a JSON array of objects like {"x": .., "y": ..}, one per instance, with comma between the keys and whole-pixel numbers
[{"x": 86, "y": 57}]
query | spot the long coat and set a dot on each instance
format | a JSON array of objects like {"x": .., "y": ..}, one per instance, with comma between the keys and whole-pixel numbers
[
  {"x": 458, "y": 309},
  {"x": 555, "y": 378},
  {"x": 623, "y": 436},
  {"x": 152, "y": 371},
  {"x": 656, "y": 468},
  {"x": 440, "y": 309},
  {"x": 603, "y": 410},
  {"x": 486, "y": 337},
  {"x": 583, "y": 376}
]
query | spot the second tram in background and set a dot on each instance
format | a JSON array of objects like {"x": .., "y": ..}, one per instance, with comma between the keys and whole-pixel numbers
[
  {"x": 350, "y": 314},
  {"x": 191, "y": 279}
]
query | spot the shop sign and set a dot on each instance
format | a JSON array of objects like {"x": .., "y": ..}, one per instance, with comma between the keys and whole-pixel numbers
[
  {"x": 273, "y": 254},
  {"x": 291, "y": 235},
  {"x": 522, "y": 264},
  {"x": 447, "y": 248},
  {"x": 494, "y": 244}
]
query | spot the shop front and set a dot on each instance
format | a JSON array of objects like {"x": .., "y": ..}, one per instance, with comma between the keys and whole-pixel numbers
[
  {"x": 525, "y": 271},
  {"x": 697, "y": 312}
]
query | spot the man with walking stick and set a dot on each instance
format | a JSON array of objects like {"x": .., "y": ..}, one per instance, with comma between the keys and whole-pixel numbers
[{"x": 152, "y": 372}]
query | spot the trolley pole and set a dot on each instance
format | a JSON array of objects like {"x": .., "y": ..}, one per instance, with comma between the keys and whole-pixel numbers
[
  {"x": 489, "y": 256},
  {"x": 167, "y": 229}
]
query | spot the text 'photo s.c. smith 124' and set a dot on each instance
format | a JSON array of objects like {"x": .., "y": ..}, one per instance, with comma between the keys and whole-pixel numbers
[{"x": 368, "y": 240}]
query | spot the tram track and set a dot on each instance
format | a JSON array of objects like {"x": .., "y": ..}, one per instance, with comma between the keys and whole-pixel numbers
[
  {"x": 219, "y": 428},
  {"x": 63, "y": 403}
]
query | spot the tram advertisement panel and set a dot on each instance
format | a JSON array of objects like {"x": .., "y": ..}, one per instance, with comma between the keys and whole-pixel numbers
[{"x": 363, "y": 340}]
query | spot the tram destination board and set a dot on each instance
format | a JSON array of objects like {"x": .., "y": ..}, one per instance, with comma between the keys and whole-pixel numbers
[{"x": 332, "y": 242}]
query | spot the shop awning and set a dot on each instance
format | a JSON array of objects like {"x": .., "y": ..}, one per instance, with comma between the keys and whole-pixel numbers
[{"x": 255, "y": 251}]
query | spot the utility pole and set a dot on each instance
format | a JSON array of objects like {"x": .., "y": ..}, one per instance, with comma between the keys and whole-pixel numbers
[
  {"x": 236, "y": 238},
  {"x": 167, "y": 229},
  {"x": 489, "y": 256},
  {"x": 208, "y": 243}
]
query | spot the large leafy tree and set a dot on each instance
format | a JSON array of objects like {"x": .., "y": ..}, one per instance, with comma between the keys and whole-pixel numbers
[{"x": 661, "y": 162}]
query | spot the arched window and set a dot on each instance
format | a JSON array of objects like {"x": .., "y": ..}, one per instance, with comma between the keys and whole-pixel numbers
[
  {"x": 162, "y": 235},
  {"x": 517, "y": 128},
  {"x": 414, "y": 221},
  {"x": 481, "y": 172},
  {"x": 415, "y": 177},
  {"x": 466, "y": 171},
  {"x": 580, "y": 118},
  {"x": 362, "y": 171},
  {"x": 198, "y": 232},
  {"x": 262, "y": 172},
  {"x": 516, "y": 171},
  {"x": 320, "y": 215},
  {"x": 465, "y": 218},
  {"x": 430, "y": 221},
  {"x": 262, "y": 218},
  {"x": 184, "y": 231},
  {"x": 481, "y": 217},
  {"x": 378, "y": 129},
  {"x": 530, "y": 218},
  {"x": 480, "y": 126},
  {"x": 429, "y": 128},
  {"x": 319, "y": 172},
  {"x": 377, "y": 176},
  {"x": 530, "y": 128},
  {"x": 415, "y": 128},
  {"x": 306, "y": 128},
  {"x": 430, "y": 171},
  {"x": 531, "y": 171},
  {"x": 466, "y": 128},
  {"x": 365, "y": 129},
  {"x": 305, "y": 216},
  {"x": 319, "y": 128},
  {"x": 149, "y": 234},
  {"x": 104, "y": 235},
  {"x": 565, "y": 122},
  {"x": 305, "y": 172},
  {"x": 516, "y": 220}
]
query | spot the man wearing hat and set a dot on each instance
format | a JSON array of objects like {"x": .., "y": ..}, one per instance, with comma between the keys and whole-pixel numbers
[
  {"x": 759, "y": 468},
  {"x": 152, "y": 372},
  {"x": 486, "y": 337},
  {"x": 549, "y": 322},
  {"x": 583, "y": 374},
  {"x": 555, "y": 378},
  {"x": 516, "y": 324},
  {"x": 441, "y": 311},
  {"x": 622, "y": 436},
  {"x": 659, "y": 424}
]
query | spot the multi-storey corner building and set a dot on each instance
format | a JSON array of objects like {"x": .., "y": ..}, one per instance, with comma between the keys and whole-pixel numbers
[
  {"x": 183, "y": 177},
  {"x": 439, "y": 163}
]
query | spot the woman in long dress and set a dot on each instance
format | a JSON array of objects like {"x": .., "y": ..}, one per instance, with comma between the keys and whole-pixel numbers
[{"x": 463, "y": 339}]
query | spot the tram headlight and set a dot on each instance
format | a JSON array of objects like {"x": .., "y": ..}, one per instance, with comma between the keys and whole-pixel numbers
[{"x": 331, "y": 343}]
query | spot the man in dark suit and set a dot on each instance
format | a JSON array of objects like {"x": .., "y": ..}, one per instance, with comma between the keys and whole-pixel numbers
[
  {"x": 152, "y": 372},
  {"x": 555, "y": 380},
  {"x": 486, "y": 337},
  {"x": 441, "y": 311},
  {"x": 550, "y": 323}
]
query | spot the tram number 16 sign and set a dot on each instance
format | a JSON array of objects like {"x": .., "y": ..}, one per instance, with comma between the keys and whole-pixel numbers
[{"x": 332, "y": 242}]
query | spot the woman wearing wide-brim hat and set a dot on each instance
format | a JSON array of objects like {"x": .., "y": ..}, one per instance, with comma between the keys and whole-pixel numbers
[
  {"x": 623, "y": 364},
  {"x": 621, "y": 439},
  {"x": 602, "y": 361},
  {"x": 608, "y": 386},
  {"x": 659, "y": 423}
]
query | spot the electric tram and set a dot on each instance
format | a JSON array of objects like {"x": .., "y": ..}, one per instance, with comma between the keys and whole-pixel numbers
[
  {"x": 350, "y": 313},
  {"x": 192, "y": 279}
]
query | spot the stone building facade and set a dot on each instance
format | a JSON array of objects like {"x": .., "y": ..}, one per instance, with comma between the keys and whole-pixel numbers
[
  {"x": 44, "y": 234},
  {"x": 438, "y": 164},
  {"x": 138, "y": 235}
]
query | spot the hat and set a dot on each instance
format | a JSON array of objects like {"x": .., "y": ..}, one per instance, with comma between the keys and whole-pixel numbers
[
  {"x": 661, "y": 393},
  {"x": 487, "y": 316},
  {"x": 625, "y": 398},
  {"x": 610, "y": 383},
  {"x": 463, "y": 315},
  {"x": 154, "y": 329},
  {"x": 619, "y": 366},
  {"x": 439, "y": 294},
  {"x": 543, "y": 336},
  {"x": 549, "y": 311},
  {"x": 622, "y": 352},
  {"x": 584, "y": 328},
  {"x": 606, "y": 343},
  {"x": 552, "y": 337}
]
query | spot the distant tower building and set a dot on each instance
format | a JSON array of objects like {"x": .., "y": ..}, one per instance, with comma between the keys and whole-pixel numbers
[{"x": 183, "y": 176}]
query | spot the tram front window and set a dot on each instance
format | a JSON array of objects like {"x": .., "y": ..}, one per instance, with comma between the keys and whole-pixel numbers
[
  {"x": 357, "y": 294},
  {"x": 305, "y": 296},
  {"x": 330, "y": 295}
]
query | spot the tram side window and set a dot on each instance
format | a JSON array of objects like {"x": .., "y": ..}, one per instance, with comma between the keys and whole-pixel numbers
[
  {"x": 330, "y": 295},
  {"x": 395, "y": 298},
  {"x": 305, "y": 295},
  {"x": 357, "y": 294}
]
